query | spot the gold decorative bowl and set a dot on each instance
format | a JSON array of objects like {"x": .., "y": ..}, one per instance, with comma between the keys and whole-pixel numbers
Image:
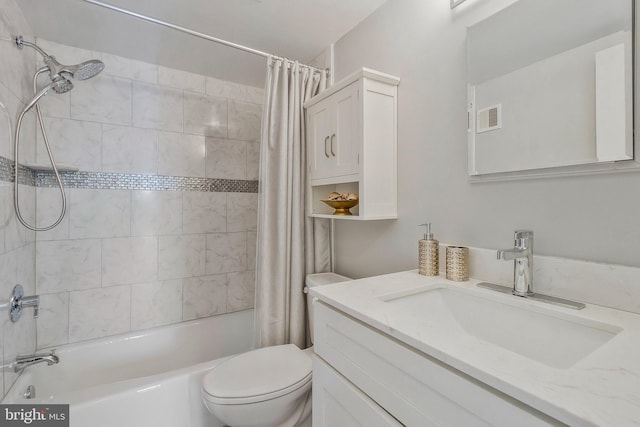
[{"x": 341, "y": 206}]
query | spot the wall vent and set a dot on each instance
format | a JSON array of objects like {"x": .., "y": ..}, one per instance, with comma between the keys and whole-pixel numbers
[{"x": 489, "y": 118}]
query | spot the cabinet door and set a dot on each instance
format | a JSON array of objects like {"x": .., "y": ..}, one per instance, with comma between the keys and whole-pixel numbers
[
  {"x": 320, "y": 131},
  {"x": 345, "y": 139},
  {"x": 337, "y": 403}
]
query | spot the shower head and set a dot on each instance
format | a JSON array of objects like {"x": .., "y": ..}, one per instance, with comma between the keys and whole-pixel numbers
[
  {"x": 87, "y": 69},
  {"x": 61, "y": 85},
  {"x": 82, "y": 71}
]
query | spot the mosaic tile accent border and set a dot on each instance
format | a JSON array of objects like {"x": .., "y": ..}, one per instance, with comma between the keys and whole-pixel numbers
[
  {"x": 122, "y": 181},
  {"x": 25, "y": 175}
]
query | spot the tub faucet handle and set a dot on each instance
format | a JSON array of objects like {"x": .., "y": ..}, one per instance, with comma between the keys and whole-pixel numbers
[{"x": 18, "y": 301}]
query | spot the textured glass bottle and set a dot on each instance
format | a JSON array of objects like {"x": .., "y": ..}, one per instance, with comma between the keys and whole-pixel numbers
[{"x": 428, "y": 254}]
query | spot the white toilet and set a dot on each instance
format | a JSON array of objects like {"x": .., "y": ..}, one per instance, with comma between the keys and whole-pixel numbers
[{"x": 267, "y": 387}]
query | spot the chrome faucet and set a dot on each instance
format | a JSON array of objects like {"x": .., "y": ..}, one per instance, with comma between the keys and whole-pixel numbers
[
  {"x": 522, "y": 256},
  {"x": 25, "y": 361}
]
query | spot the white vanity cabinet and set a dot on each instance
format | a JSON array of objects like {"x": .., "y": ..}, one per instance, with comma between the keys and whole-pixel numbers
[
  {"x": 364, "y": 377},
  {"x": 352, "y": 145}
]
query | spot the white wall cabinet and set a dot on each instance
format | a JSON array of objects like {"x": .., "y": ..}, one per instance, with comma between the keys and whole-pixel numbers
[
  {"x": 334, "y": 135},
  {"x": 413, "y": 388},
  {"x": 352, "y": 140}
]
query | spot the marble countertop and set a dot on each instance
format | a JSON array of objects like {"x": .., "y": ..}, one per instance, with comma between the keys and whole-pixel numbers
[{"x": 601, "y": 389}]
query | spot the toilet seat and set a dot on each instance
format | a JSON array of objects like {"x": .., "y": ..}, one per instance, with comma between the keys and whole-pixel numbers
[{"x": 257, "y": 376}]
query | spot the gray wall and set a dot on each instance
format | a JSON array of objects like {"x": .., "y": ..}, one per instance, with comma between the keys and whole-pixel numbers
[{"x": 423, "y": 42}]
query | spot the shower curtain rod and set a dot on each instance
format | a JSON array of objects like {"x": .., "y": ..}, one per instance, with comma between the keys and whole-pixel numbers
[{"x": 192, "y": 32}]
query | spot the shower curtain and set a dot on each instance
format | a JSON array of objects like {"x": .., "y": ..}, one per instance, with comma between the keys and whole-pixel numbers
[{"x": 289, "y": 243}]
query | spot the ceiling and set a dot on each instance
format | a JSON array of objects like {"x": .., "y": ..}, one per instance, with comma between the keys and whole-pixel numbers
[{"x": 296, "y": 29}]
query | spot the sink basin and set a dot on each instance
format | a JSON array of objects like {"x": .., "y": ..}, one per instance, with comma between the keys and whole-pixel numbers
[{"x": 551, "y": 337}]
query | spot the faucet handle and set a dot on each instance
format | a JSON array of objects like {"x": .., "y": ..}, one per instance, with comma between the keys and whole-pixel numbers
[{"x": 523, "y": 239}]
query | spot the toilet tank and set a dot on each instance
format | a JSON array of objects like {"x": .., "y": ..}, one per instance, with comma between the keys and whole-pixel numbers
[{"x": 319, "y": 279}]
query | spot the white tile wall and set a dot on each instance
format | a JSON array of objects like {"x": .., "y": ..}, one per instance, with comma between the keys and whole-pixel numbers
[
  {"x": 53, "y": 322},
  {"x": 156, "y": 212},
  {"x": 129, "y": 150},
  {"x": 129, "y": 260},
  {"x": 205, "y": 115},
  {"x": 226, "y": 159},
  {"x": 105, "y": 99},
  {"x": 68, "y": 265},
  {"x": 181, "y": 154},
  {"x": 204, "y": 296},
  {"x": 204, "y": 212},
  {"x": 181, "y": 79},
  {"x": 181, "y": 256},
  {"x": 73, "y": 143},
  {"x": 130, "y": 69},
  {"x": 99, "y": 213},
  {"x": 48, "y": 210},
  {"x": 99, "y": 312},
  {"x": 245, "y": 211},
  {"x": 156, "y": 107},
  {"x": 156, "y": 304},
  {"x": 226, "y": 252},
  {"x": 245, "y": 120},
  {"x": 241, "y": 290},
  {"x": 17, "y": 245},
  {"x": 253, "y": 160}
]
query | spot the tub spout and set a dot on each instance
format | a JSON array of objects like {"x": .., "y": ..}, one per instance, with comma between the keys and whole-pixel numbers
[{"x": 25, "y": 361}]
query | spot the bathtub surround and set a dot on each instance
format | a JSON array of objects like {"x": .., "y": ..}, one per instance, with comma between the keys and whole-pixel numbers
[
  {"x": 290, "y": 245},
  {"x": 159, "y": 229},
  {"x": 17, "y": 244}
]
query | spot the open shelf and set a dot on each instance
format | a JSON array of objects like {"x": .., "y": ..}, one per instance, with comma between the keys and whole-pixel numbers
[{"x": 321, "y": 192}]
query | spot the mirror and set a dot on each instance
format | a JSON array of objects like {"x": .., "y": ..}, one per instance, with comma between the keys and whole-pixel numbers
[{"x": 550, "y": 85}]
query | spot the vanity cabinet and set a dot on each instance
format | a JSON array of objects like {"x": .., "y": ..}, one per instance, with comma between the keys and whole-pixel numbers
[
  {"x": 352, "y": 145},
  {"x": 397, "y": 384}
]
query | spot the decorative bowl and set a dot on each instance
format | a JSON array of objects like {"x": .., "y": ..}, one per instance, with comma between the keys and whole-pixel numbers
[{"x": 341, "y": 206}]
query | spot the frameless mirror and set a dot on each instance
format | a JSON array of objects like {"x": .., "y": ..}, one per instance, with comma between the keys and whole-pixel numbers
[{"x": 550, "y": 85}]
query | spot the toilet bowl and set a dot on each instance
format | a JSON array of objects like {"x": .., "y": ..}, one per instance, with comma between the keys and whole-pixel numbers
[{"x": 267, "y": 387}]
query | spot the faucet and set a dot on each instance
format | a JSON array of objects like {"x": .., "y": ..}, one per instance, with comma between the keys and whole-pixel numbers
[
  {"x": 522, "y": 256},
  {"x": 25, "y": 361}
]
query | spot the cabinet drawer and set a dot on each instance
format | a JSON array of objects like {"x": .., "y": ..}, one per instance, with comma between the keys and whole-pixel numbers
[
  {"x": 337, "y": 403},
  {"x": 416, "y": 389}
]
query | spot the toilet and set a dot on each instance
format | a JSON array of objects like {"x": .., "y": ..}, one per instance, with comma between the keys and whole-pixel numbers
[{"x": 267, "y": 387}]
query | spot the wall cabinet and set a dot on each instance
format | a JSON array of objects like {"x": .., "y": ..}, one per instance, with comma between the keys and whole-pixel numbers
[
  {"x": 393, "y": 379},
  {"x": 334, "y": 135},
  {"x": 352, "y": 145}
]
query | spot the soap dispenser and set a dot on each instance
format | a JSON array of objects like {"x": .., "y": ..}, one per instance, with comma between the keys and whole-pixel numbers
[{"x": 428, "y": 253}]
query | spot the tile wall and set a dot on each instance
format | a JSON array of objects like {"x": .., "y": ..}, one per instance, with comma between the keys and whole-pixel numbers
[
  {"x": 17, "y": 244},
  {"x": 130, "y": 258}
]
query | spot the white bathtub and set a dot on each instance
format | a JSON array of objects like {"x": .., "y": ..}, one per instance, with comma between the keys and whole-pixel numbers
[{"x": 143, "y": 379}]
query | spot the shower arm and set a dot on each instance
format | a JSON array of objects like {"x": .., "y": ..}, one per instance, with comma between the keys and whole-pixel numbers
[{"x": 20, "y": 42}]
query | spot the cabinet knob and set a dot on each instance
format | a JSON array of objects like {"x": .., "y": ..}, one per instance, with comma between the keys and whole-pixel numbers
[
  {"x": 333, "y": 137},
  {"x": 325, "y": 147}
]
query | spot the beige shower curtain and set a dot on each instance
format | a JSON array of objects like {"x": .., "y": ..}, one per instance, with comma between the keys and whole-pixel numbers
[{"x": 290, "y": 244}]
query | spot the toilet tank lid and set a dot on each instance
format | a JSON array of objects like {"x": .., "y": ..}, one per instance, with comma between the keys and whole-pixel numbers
[{"x": 318, "y": 279}]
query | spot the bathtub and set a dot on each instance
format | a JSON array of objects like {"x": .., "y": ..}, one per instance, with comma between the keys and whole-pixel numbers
[{"x": 143, "y": 379}]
